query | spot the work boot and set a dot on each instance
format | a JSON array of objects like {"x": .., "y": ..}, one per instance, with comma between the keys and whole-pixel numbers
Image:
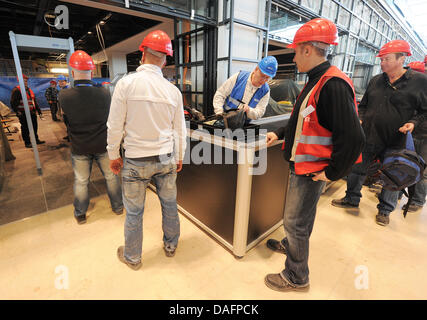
[
  {"x": 28, "y": 145},
  {"x": 121, "y": 256},
  {"x": 118, "y": 212},
  {"x": 276, "y": 246},
  {"x": 170, "y": 252},
  {"x": 276, "y": 282},
  {"x": 40, "y": 141},
  {"x": 412, "y": 207},
  {"x": 81, "y": 219},
  {"x": 382, "y": 219},
  {"x": 343, "y": 203}
]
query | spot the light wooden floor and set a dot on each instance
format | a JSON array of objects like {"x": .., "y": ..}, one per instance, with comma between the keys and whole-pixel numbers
[{"x": 49, "y": 256}]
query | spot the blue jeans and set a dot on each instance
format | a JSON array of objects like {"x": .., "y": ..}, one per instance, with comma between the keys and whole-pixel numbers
[
  {"x": 387, "y": 199},
  {"x": 298, "y": 220},
  {"x": 420, "y": 188},
  {"x": 82, "y": 165},
  {"x": 136, "y": 176}
]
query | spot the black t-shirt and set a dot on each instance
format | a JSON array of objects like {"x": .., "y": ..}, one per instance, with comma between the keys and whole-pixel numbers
[
  {"x": 86, "y": 110},
  {"x": 335, "y": 111}
]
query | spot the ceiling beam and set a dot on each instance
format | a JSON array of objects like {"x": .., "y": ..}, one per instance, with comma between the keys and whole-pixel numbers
[
  {"x": 113, "y": 8},
  {"x": 131, "y": 44}
]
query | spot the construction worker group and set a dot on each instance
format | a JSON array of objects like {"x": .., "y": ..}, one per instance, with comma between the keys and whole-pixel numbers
[{"x": 140, "y": 134}]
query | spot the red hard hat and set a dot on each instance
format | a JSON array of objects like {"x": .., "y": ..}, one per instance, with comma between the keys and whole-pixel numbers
[
  {"x": 395, "y": 46},
  {"x": 157, "y": 40},
  {"x": 318, "y": 30},
  {"x": 80, "y": 60},
  {"x": 52, "y": 82},
  {"x": 23, "y": 76},
  {"x": 417, "y": 66}
]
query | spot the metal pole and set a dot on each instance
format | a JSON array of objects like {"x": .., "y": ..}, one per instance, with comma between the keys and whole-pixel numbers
[
  {"x": 25, "y": 100},
  {"x": 268, "y": 27},
  {"x": 70, "y": 74},
  {"x": 230, "y": 38}
]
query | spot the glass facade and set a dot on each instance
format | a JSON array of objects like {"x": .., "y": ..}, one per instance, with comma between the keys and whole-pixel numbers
[{"x": 364, "y": 26}]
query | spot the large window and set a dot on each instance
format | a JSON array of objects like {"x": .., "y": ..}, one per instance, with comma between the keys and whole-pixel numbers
[
  {"x": 366, "y": 15},
  {"x": 359, "y": 22},
  {"x": 329, "y": 9},
  {"x": 313, "y": 5},
  {"x": 355, "y": 25},
  {"x": 371, "y": 35},
  {"x": 358, "y": 7},
  {"x": 364, "y": 31},
  {"x": 344, "y": 18},
  {"x": 365, "y": 54},
  {"x": 280, "y": 18},
  {"x": 347, "y": 3}
]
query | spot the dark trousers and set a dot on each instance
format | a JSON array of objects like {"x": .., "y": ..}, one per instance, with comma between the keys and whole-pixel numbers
[
  {"x": 387, "y": 199},
  {"x": 420, "y": 188},
  {"x": 298, "y": 221},
  {"x": 53, "y": 110},
  {"x": 24, "y": 127}
]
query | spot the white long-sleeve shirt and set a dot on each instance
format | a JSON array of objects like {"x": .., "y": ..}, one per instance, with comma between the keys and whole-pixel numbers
[
  {"x": 147, "y": 110},
  {"x": 225, "y": 90}
]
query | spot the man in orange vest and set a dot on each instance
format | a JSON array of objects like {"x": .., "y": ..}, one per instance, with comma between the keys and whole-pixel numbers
[
  {"x": 323, "y": 139},
  {"x": 18, "y": 107},
  {"x": 394, "y": 103}
]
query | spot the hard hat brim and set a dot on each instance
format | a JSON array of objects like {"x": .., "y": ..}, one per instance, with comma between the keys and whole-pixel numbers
[{"x": 271, "y": 75}]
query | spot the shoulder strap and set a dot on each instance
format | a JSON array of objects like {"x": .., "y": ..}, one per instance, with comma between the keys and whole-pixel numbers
[{"x": 410, "y": 194}]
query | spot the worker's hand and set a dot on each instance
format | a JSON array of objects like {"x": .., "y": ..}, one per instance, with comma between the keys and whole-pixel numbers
[
  {"x": 246, "y": 108},
  {"x": 116, "y": 165},
  {"x": 320, "y": 176},
  {"x": 179, "y": 166},
  {"x": 271, "y": 137},
  {"x": 407, "y": 127},
  {"x": 50, "y": 102}
]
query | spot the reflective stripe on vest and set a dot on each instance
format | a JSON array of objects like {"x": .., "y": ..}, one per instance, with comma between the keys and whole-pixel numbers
[
  {"x": 324, "y": 141},
  {"x": 239, "y": 90},
  {"x": 30, "y": 99},
  {"x": 315, "y": 146},
  {"x": 308, "y": 158}
]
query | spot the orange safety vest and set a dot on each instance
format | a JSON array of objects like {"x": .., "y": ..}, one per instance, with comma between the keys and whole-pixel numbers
[
  {"x": 30, "y": 97},
  {"x": 315, "y": 146}
]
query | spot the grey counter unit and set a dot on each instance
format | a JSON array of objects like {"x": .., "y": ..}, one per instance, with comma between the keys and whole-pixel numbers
[{"x": 231, "y": 201}]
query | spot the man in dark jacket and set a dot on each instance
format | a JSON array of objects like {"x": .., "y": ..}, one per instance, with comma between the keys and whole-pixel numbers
[
  {"x": 51, "y": 95},
  {"x": 18, "y": 107},
  {"x": 420, "y": 142},
  {"x": 86, "y": 108},
  {"x": 323, "y": 139},
  {"x": 392, "y": 105}
]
